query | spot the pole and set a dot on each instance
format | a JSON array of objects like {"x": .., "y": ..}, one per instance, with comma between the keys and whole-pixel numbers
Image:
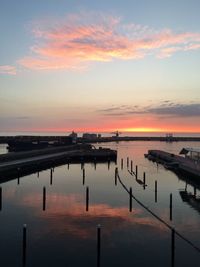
[
  {"x": 130, "y": 199},
  {"x": 172, "y": 248},
  {"x": 0, "y": 198},
  {"x": 98, "y": 244},
  {"x": 24, "y": 246},
  {"x": 44, "y": 198},
  {"x": 170, "y": 207},
  {"x": 156, "y": 188},
  {"x": 87, "y": 198},
  {"x": 144, "y": 180},
  {"x": 122, "y": 164},
  {"x": 136, "y": 171}
]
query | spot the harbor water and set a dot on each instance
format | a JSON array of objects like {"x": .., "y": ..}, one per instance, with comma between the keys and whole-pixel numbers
[{"x": 64, "y": 234}]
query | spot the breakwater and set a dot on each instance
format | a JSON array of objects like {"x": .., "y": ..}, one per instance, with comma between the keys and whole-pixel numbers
[
  {"x": 6, "y": 139},
  {"x": 17, "y": 164}
]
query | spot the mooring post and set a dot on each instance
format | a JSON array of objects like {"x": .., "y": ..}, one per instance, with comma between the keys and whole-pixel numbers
[
  {"x": 87, "y": 198},
  {"x": 156, "y": 188},
  {"x": 95, "y": 163},
  {"x": 136, "y": 171},
  {"x": 130, "y": 199},
  {"x": 0, "y": 198},
  {"x": 98, "y": 245},
  {"x": 144, "y": 180},
  {"x": 108, "y": 163},
  {"x": 44, "y": 198},
  {"x": 51, "y": 176},
  {"x": 170, "y": 207},
  {"x": 83, "y": 175},
  {"x": 68, "y": 166},
  {"x": 18, "y": 176},
  {"x": 122, "y": 164},
  {"x": 131, "y": 166},
  {"x": 38, "y": 174},
  {"x": 116, "y": 175},
  {"x": 172, "y": 247},
  {"x": 24, "y": 246},
  {"x": 127, "y": 162}
]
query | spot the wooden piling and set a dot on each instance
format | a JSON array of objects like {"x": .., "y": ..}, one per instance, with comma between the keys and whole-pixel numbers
[
  {"x": 44, "y": 198},
  {"x": 136, "y": 171},
  {"x": 156, "y": 188},
  {"x": 109, "y": 164},
  {"x": 170, "y": 207},
  {"x": 38, "y": 174},
  {"x": 130, "y": 199},
  {"x": 18, "y": 176},
  {"x": 116, "y": 175},
  {"x": 144, "y": 180},
  {"x": 0, "y": 198},
  {"x": 127, "y": 162},
  {"x": 51, "y": 176},
  {"x": 122, "y": 164},
  {"x": 24, "y": 246},
  {"x": 98, "y": 245},
  {"x": 87, "y": 198},
  {"x": 172, "y": 247},
  {"x": 131, "y": 166}
]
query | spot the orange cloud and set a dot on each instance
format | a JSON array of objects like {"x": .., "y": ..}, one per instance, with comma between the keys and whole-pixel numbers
[
  {"x": 79, "y": 40},
  {"x": 7, "y": 69}
]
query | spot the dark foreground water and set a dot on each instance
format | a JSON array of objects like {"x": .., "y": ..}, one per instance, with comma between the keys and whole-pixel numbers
[{"x": 64, "y": 235}]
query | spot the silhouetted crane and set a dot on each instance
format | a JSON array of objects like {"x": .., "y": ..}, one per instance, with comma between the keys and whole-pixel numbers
[{"x": 117, "y": 133}]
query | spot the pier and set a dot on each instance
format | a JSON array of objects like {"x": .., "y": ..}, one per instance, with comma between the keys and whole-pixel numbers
[
  {"x": 17, "y": 164},
  {"x": 62, "y": 139},
  {"x": 176, "y": 163}
]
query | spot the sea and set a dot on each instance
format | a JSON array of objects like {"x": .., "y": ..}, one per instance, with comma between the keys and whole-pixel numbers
[{"x": 65, "y": 234}]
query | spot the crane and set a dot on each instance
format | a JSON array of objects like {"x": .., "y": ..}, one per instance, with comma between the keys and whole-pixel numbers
[{"x": 117, "y": 133}]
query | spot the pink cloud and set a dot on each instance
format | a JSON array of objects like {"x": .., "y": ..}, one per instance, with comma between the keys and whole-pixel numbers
[
  {"x": 81, "y": 39},
  {"x": 6, "y": 69}
]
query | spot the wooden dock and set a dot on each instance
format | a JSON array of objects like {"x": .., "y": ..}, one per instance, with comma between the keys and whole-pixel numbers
[
  {"x": 176, "y": 163},
  {"x": 17, "y": 164}
]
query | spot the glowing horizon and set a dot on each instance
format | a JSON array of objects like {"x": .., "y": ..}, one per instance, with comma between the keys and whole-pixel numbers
[{"x": 100, "y": 67}]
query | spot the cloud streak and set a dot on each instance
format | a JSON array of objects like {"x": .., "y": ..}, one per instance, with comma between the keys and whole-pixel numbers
[
  {"x": 7, "y": 69},
  {"x": 78, "y": 40},
  {"x": 164, "y": 109}
]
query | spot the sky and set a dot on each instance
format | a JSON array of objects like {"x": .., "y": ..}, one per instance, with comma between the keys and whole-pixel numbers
[{"x": 99, "y": 66}]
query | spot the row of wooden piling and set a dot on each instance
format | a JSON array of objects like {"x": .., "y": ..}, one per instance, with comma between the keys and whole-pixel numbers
[{"x": 87, "y": 209}]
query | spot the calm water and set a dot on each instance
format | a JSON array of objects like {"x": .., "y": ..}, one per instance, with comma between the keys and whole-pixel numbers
[{"x": 64, "y": 235}]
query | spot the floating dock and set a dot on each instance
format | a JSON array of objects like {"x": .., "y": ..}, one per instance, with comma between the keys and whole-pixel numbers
[
  {"x": 17, "y": 164},
  {"x": 176, "y": 163}
]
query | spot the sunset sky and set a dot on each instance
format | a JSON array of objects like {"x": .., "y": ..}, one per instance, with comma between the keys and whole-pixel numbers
[{"x": 98, "y": 66}]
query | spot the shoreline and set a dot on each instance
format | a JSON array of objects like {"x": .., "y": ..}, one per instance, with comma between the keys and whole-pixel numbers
[{"x": 6, "y": 139}]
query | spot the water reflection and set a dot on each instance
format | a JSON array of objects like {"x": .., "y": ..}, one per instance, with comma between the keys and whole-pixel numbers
[{"x": 65, "y": 234}]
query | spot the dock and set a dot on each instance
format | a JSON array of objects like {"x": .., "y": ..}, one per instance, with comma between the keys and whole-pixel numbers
[
  {"x": 176, "y": 163},
  {"x": 15, "y": 164}
]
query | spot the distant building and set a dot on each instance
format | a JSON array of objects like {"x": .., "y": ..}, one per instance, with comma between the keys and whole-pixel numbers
[
  {"x": 89, "y": 136},
  {"x": 74, "y": 136}
]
